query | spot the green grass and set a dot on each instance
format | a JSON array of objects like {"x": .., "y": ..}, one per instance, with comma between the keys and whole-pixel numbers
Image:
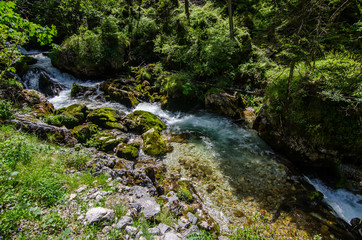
[{"x": 33, "y": 178}]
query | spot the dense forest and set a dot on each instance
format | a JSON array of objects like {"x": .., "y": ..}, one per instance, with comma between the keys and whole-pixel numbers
[{"x": 295, "y": 66}]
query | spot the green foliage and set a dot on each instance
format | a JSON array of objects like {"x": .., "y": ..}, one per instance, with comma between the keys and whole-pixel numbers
[
  {"x": 203, "y": 46},
  {"x": 77, "y": 159},
  {"x": 61, "y": 120},
  {"x": 14, "y": 32},
  {"x": 6, "y": 110},
  {"x": 166, "y": 217},
  {"x": 324, "y": 102}
]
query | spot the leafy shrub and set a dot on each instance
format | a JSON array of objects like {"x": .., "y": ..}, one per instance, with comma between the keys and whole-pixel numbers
[
  {"x": 324, "y": 104},
  {"x": 6, "y": 110},
  {"x": 203, "y": 46},
  {"x": 77, "y": 159}
]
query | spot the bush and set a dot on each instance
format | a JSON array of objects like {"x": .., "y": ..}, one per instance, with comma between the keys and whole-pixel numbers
[
  {"x": 325, "y": 102},
  {"x": 203, "y": 46},
  {"x": 6, "y": 110}
]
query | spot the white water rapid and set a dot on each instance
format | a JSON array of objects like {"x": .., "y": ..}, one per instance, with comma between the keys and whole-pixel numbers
[{"x": 230, "y": 166}]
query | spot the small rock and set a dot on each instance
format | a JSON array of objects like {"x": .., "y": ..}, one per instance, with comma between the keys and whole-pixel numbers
[
  {"x": 131, "y": 230},
  {"x": 193, "y": 219},
  {"x": 222, "y": 238},
  {"x": 99, "y": 197},
  {"x": 81, "y": 188},
  {"x": 154, "y": 231},
  {"x": 172, "y": 236},
  {"x": 106, "y": 229},
  {"x": 192, "y": 229},
  {"x": 72, "y": 196},
  {"x": 163, "y": 228},
  {"x": 99, "y": 214},
  {"x": 183, "y": 222},
  {"x": 205, "y": 226},
  {"x": 123, "y": 222}
]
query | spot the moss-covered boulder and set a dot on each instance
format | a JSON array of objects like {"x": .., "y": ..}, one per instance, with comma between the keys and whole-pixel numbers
[
  {"x": 220, "y": 102},
  {"x": 70, "y": 117},
  {"x": 105, "y": 141},
  {"x": 142, "y": 121},
  {"x": 22, "y": 66},
  {"x": 153, "y": 144},
  {"x": 84, "y": 132},
  {"x": 121, "y": 91},
  {"x": 127, "y": 151},
  {"x": 107, "y": 118}
]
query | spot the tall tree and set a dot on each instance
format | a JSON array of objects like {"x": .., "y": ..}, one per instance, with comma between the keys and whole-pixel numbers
[{"x": 231, "y": 24}]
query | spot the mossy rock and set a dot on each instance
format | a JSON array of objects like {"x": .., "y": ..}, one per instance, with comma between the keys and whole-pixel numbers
[
  {"x": 77, "y": 90},
  {"x": 78, "y": 111},
  {"x": 142, "y": 121},
  {"x": 84, "y": 132},
  {"x": 127, "y": 151},
  {"x": 184, "y": 192},
  {"x": 107, "y": 118},
  {"x": 67, "y": 120},
  {"x": 105, "y": 142},
  {"x": 220, "y": 102},
  {"x": 153, "y": 144}
]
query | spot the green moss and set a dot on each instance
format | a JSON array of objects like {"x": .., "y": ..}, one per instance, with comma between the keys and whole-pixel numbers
[
  {"x": 142, "y": 121},
  {"x": 84, "y": 132},
  {"x": 153, "y": 143},
  {"x": 67, "y": 120},
  {"x": 127, "y": 151},
  {"x": 104, "y": 141},
  {"x": 184, "y": 193},
  {"x": 106, "y": 117},
  {"x": 76, "y": 89}
]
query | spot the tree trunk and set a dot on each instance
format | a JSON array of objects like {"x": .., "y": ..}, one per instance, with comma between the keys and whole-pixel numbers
[
  {"x": 231, "y": 25},
  {"x": 290, "y": 79},
  {"x": 187, "y": 11}
]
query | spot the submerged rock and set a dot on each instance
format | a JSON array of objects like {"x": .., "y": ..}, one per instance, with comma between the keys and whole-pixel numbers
[
  {"x": 49, "y": 87},
  {"x": 142, "y": 121}
]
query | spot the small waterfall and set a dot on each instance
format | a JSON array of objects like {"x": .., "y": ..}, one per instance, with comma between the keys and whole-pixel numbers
[{"x": 345, "y": 204}]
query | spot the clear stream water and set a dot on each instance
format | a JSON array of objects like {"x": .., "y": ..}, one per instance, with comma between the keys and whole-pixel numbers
[{"x": 230, "y": 167}]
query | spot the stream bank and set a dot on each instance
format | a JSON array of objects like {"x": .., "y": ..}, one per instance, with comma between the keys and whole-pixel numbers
[{"x": 237, "y": 176}]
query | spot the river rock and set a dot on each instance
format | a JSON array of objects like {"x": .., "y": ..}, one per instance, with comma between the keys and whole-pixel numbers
[
  {"x": 142, "y": 121},
  {"x": 81, "y": 91},
  {"x": 120, "y": 90},
  {"x": 220, "y": 102},
  {"x": 153, "y": 143},
  {"x": 99, "y": 214},
  {"x": 127, "y": 151},
  {"x": 84, "y": 132},
  {"x": 49, "y": 87},
  {"x": 107, "y": 118},
  {"x": 37, "y": 101}
]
